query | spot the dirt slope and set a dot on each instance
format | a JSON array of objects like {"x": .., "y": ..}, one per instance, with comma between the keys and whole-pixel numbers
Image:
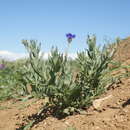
[
  {"x": 114, "y": 113},
  {"x": 123, "y": 50}
]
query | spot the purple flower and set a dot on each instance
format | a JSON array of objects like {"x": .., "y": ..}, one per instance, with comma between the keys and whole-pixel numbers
[
  {"x": 2, "y": 66},
  {"x": 70, "y": 37}
]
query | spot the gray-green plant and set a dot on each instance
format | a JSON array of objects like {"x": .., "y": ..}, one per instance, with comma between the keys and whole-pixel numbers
[
  {"x": 94, "y": 72},
  {"x": 54, "y": 78},
  {"x": 55, "y": 74},
  {"x": 9, "y": 85},
  {"x": 66, "y": 93}
]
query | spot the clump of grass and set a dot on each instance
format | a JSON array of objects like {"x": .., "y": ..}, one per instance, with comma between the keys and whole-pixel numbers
[
  {"x": 9, "y": 83},
  {"x": 67, "y": 95}
]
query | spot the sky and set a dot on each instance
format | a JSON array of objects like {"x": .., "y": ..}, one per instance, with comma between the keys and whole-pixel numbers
[{"x": 48, "y": 21}]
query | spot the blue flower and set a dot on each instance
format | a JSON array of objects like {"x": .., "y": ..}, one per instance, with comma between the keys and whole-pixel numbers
[{"x": 70, "y": 37}]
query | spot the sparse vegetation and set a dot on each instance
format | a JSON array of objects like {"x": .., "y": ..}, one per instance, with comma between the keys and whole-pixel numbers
[{"x": 69, "y": 85}]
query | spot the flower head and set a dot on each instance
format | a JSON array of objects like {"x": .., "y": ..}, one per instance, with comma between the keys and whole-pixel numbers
[
  {"x": 2, "y": 66},
  {"x": 70, "y": 37}
]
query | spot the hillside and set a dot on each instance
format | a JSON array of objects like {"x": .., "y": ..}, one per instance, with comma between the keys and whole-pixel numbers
[
  {"x": 112, "y": 113},
  {"x": 123, "y": 50}
]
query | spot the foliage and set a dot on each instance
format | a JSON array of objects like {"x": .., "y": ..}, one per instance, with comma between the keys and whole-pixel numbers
[
  {"x": 55, "y": 74},
  {"x": 94, "y": 72},
  {"x": 56, "y": 80},
  {"x": 68, "y": 85},
  {"x": 9, "y": 85}
]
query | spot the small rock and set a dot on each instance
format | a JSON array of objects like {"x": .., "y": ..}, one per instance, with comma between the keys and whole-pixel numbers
[{"x": 97, "y": 102}]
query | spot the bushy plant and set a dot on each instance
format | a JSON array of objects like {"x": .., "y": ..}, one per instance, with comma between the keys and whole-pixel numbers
[
  {"x": 69, "y": 89},
  {"x": 9, "y": 85},
  {"x": 94, "y": 72},
  {"x": 56, "y": 80},
  {"x": 29, "y": 81},
  {"x": 54, "y": 73}
]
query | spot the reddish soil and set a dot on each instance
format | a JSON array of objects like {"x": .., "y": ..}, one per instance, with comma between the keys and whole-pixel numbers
[{"x": 113, "y": 113}]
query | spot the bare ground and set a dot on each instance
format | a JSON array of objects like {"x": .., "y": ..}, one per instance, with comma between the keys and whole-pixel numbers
[{"x": 113, "y": 114}]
